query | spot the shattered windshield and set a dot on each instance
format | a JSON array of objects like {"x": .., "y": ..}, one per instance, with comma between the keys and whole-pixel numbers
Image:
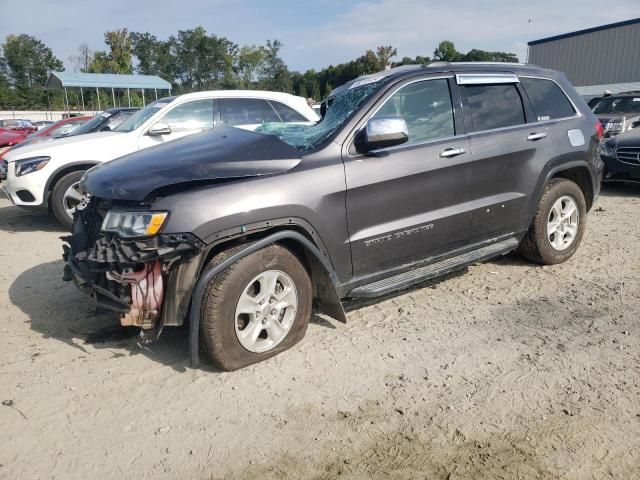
[{"x": 339, "y": 109}]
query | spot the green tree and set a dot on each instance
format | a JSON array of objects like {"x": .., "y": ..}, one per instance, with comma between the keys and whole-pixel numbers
[
  {"x": 204, "y": 61},
  {"x": 120, "y": 50},
  {"x": 247, "y": 65},
  {"x": 446, "y": 52},
  {"x": 315, "y": 91},
  {"x": 155, "y": 57},
  {"x": 302, "y": 91},
  {"x": 384, "y": 55},
  {"x": 274, "y": 74},
  {"x": 118, "y": 58},
  {"x": 327, "y": 89},
  {"x": 27, "y": 63}
]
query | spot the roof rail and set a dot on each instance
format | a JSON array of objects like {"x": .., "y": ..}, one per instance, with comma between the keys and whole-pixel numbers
[
  {"x": 444, "y": 64},
  {"x": 490, "y": 63}
]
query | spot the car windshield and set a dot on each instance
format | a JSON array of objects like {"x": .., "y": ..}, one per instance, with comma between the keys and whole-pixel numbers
[
  {"x": 141, "y": 116},
  {"x": 613, "y": 105},
  {"x": 338, "y": 109},
  {"x": 91, "y": 125}
]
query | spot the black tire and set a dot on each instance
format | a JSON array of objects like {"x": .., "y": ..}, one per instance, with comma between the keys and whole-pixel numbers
[
  {"x": 217, "y": 322},
  {"x": 57, "y": 197},
  {"x": 535, "y": 246}
]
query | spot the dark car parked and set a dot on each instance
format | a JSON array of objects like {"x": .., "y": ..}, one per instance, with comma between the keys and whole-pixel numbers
[
  {"x": 410, "y": 174},
  {"x": 618, "y": 113},
  {"x": 107, "y": 120},
  {"x": 621, "y": 157}
]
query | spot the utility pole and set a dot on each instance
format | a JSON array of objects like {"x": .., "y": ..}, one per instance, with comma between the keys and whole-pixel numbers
[{"x": 528, "y": 40}]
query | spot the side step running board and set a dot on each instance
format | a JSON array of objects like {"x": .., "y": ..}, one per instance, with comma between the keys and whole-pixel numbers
[{"x": 411, "y": 277}]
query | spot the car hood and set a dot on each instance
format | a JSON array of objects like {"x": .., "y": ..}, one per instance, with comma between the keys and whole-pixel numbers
[
  {"x": 630, "y": 138},
  {"x": 220, "y": 153},
  {"x": 94, "y": 146}
]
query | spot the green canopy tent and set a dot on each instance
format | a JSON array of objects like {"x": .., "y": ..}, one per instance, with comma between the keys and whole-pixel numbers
[{"x": 64, "y": 80}]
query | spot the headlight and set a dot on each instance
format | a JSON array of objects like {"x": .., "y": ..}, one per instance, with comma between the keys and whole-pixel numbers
[
  {"x": 29, "y": 165},
  {"x": 134, "y": 224},
  {"x": 607, "y": 150}
]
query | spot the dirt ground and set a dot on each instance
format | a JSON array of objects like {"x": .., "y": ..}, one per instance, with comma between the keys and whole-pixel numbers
[{"x": 505, "y": 371}]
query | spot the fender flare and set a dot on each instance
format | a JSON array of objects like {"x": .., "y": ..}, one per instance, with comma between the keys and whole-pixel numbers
[
  {"x": 549, "y": 173},
  {"x": 203, "y": 281}
]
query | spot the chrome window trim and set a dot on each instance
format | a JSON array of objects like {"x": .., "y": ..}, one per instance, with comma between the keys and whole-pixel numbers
[
  {"x": 501, "y": 129},
  {"x": 404, "y": 145},
  {"x": 485, "y": 78},
  {"x": 411, "y": 145}
]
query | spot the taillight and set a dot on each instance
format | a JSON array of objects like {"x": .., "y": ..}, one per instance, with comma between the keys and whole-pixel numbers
[{"x": 599, "y": 130}]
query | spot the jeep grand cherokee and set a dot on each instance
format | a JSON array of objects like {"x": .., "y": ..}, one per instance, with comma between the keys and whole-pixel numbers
[{"x": 410, "y": 174}]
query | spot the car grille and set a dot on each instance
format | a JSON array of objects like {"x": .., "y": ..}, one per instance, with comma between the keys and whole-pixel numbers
[{"x": 629, "y": 155}]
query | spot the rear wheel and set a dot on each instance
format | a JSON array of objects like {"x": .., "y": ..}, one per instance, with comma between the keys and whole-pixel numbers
[
  {"x": 256, "y": 308},
  {"x": 65, "y": 197},
  {"x": 558, "y": 226}
]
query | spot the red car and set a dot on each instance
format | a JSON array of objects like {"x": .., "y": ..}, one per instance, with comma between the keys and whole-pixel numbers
[
  {"x": 18, "y": 125},
  {"x": 59, "y": 129},
  {"x": 9, "y": 138}
]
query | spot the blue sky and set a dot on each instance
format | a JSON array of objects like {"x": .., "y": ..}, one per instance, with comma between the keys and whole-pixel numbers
[{"x": 315, "y": 33}]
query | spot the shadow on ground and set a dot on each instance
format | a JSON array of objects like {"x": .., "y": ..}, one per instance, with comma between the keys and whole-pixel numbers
[
  {"x": 620, "y": 189},
  {"x": 58, "y": 310},
  {"x": 16, "y": 219}
]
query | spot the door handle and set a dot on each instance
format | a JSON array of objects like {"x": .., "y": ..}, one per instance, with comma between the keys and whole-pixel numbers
[
  {"x": 451, "y": 152},
  {"x": 532, "y": 137}
]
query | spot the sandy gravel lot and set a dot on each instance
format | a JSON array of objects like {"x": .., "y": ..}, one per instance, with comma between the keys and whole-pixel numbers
[{"x": 506, "y": 371}]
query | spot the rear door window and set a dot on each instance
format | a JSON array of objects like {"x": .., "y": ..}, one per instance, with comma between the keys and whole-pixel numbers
[
  {"x": 247, "y": 111},
  {"x": 548, "y": 100},
  {"x": 493, "y": 106}
]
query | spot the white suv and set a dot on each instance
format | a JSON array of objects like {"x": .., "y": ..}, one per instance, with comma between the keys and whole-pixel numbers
[{"x": 47, "y": 175}]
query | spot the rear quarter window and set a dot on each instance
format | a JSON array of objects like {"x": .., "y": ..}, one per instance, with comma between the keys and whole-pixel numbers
[{"x": 547, "y": 98}]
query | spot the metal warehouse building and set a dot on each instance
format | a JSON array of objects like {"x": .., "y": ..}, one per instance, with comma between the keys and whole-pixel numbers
[{"x": 595, "y": 59}]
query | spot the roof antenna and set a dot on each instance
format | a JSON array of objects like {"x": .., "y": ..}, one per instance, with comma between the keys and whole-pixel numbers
[{"x": 528, "y": 41}]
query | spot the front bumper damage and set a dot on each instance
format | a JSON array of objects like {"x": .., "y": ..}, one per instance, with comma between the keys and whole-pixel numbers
[{"x": 146, "y": 281}]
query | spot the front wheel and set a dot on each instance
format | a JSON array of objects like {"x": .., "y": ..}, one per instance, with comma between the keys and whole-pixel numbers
[
  {"x": 65, "y": 197},
  {"x": 256, "y": 308},
  {"x": 558, "y": 226}
]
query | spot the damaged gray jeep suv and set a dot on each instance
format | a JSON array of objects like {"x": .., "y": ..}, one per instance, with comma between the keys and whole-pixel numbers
[{"x": 410, "y": 174}]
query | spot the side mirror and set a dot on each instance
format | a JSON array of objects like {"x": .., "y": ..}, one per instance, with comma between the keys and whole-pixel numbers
[
  {"x": 158, "y": 129},
  {"x": 106, "y": 128},
  {"x": 383, "y": 132}
]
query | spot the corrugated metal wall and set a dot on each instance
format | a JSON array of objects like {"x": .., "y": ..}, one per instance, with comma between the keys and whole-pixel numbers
[{"x": 605, "y": 56}]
